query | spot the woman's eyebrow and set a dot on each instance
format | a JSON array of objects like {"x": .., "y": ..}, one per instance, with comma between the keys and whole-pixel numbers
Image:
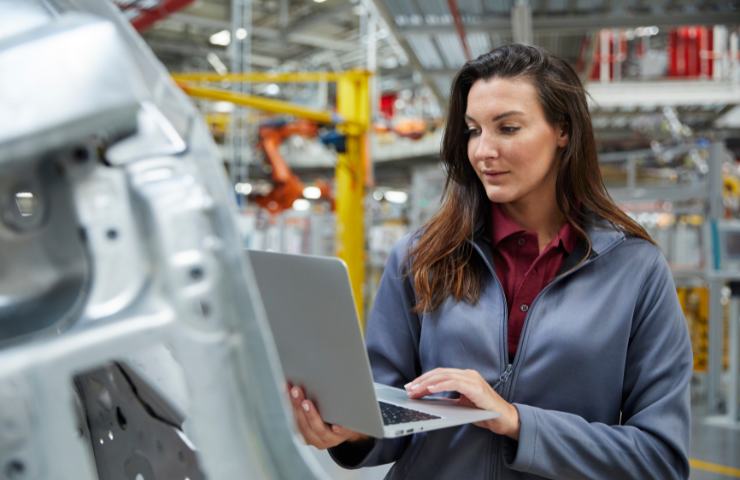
[{"x": 499, "y": 116}]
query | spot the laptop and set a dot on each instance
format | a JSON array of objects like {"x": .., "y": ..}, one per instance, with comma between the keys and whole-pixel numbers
[{"x": 309, "y": 306}]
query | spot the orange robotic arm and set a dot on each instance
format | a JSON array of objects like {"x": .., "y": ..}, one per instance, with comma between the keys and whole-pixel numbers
[{"x": 287, "y": 186}]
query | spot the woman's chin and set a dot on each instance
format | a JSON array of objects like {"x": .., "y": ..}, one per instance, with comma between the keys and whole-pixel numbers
[{"x": 499, "y": 196}]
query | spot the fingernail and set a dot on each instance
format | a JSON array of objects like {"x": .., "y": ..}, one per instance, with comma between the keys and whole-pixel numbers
[
  {"x": 305, "y": 406},
  {"x": 294, "y": 392},
  {"x": 414, "y": 386}
]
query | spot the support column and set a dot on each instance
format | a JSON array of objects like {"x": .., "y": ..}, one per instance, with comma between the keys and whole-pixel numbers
[
  {"x": 714, "y": 365},
  {"x": 240, "y": 49},
  {"x": 354, "y": 107}
]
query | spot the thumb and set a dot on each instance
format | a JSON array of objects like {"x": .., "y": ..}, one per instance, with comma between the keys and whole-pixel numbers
[
  {"x": 343, "y": 432},
  {"x": 339, "y": 430}
]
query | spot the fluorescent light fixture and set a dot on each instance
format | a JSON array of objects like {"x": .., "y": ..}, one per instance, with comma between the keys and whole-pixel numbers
[
  {"x": 243, "y": 188},
  {"x": 223, "y": 107},
  {"x": 647, "y": 31},
  {"x": 241, "y": 33},
  {"x": 319, "y": 1},
  {"x": 395, "y": 196},
  {"x": 24, "y": 195},
  {"x": 312, "y": 192},
  {"x": 272, "y": 89},
  {"x": 301, "y": 205},
  {"x": 217, "y": 64},
  {"x": 222, "y": 38}
]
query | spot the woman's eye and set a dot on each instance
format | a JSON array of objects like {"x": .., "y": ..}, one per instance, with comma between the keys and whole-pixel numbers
[
  {"x": 471, "y": 132},
  {"x": 509, "y": 129}
]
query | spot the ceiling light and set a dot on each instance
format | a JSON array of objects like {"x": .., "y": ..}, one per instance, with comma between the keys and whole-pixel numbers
[
  {"x": 395, "y": 196},
  {"x": 647, "y": 31},
  {"x": 312, "y": 192},
  {"x": 243, "y": 188},
  {"x": 272, "y": 89},
  {"x": 241, "y": 33},
  {"x": 223, "y": 107},
  {"x": 301, "y": 205},
  {"x": 319, "y": 1},
  {"x": 216, "y": 63},
  {"x": 222, "y": 38}
]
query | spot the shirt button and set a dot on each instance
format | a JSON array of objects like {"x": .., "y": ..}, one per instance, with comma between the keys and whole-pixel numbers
[
  {"x": 523, "y": 307},
  {"x": 521, "y": 242}
]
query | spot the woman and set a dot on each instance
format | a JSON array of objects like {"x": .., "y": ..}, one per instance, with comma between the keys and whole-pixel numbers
[{"x": 529, "y": 293}]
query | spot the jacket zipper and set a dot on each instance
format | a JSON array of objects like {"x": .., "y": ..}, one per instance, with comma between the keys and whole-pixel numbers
[
  {"x": 504, "y": 376},
  {"x": 532, "y": 305},
  {"x": 508, "y": 372}
]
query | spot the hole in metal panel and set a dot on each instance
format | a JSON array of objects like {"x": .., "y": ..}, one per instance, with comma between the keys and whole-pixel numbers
[{"x": 27, "y": 204}]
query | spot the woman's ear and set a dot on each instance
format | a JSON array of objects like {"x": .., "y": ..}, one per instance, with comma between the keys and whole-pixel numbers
[{"x": 563, "y": 135}]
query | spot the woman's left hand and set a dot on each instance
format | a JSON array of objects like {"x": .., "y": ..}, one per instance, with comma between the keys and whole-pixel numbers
[{"x": 474, "y": 391}]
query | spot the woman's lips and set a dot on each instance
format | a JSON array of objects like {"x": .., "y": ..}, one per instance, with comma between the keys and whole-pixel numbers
[{"x": 492, "y": 175}]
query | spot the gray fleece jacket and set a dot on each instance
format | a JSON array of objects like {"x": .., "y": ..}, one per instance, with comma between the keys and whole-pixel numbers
[{"x": 601, "y": 377}]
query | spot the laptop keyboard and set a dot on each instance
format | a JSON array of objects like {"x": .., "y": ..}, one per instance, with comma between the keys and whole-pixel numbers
[{"x": 393, "y": 414}]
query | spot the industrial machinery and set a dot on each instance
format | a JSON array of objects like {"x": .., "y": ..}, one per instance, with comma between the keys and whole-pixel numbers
[
  {"x": 133, "y": 343},
  {"x": 287, "y": 187}
]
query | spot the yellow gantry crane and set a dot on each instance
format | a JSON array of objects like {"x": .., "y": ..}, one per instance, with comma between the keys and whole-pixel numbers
[{"x": 352, "y": 119}]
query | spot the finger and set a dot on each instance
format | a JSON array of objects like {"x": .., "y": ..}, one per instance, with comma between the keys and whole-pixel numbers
[
  {"x": 296, "y": 396},
  {"x": 464, "y": 401},
  {"x": 443, "y": 383},
  {"x": 478, "y": 395},
  {"x": 425, "y": 376},
  {"x": 346, "y": 433},
  {"x": 434, "y": 376},
  {"x": 318, "y": 426},
  {"x": 422, "y": 388},
  {"x": 309, "y": 436}
]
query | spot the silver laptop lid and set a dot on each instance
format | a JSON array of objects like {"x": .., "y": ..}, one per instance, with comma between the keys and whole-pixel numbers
[{"x": 312, "y": 314}]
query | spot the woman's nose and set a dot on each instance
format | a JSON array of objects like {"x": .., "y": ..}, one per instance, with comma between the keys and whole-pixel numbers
[{"x": 485, "y": 147}]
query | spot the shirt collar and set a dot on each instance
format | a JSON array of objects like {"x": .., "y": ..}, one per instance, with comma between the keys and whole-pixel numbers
[{"x": 502, "y": 227}]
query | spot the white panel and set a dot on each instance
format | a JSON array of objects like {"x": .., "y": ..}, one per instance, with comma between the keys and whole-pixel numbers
[
  {"x": 479, "y": 43},
  {"x": 425, "y": 51},
  {"x": 452, "y": 49}
]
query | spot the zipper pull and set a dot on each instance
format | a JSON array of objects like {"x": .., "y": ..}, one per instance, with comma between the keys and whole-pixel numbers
[{"x": 504, "y": 376}]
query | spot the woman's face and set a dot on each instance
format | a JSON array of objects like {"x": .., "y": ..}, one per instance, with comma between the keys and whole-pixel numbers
[{"x": 511, "y": 145}]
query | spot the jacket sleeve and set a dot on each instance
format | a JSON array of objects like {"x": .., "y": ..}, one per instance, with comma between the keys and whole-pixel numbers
[
  {"x": 392, "y": 340},
  {"x": 652, "y": 440}
]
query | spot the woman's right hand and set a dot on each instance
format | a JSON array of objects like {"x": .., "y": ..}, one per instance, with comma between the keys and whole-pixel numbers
[{"x": 312, "y": 427}]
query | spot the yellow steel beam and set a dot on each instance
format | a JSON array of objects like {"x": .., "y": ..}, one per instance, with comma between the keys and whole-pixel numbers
[
  {"x": 260, "y": 103},
  {"x": 353, "y": 103},
  {"x": 262, "y": 77}
]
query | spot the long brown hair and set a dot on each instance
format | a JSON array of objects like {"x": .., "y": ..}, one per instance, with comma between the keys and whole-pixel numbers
[{"x": 440, "y": 260}]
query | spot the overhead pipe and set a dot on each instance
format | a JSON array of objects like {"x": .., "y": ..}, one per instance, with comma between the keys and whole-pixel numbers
[
  {"x": 148, "y": 17},
  {"x": 452, "y": 4}
]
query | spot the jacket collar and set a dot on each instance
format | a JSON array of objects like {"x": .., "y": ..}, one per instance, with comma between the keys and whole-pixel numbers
[{"x": 602, "y": 233}]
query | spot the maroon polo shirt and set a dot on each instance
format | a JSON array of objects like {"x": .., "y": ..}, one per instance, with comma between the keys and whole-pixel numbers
[{"x": 522, "y": 270}]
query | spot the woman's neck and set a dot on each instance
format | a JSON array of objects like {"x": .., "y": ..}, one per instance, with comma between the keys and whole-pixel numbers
[{"x": 534, "y": 215}]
